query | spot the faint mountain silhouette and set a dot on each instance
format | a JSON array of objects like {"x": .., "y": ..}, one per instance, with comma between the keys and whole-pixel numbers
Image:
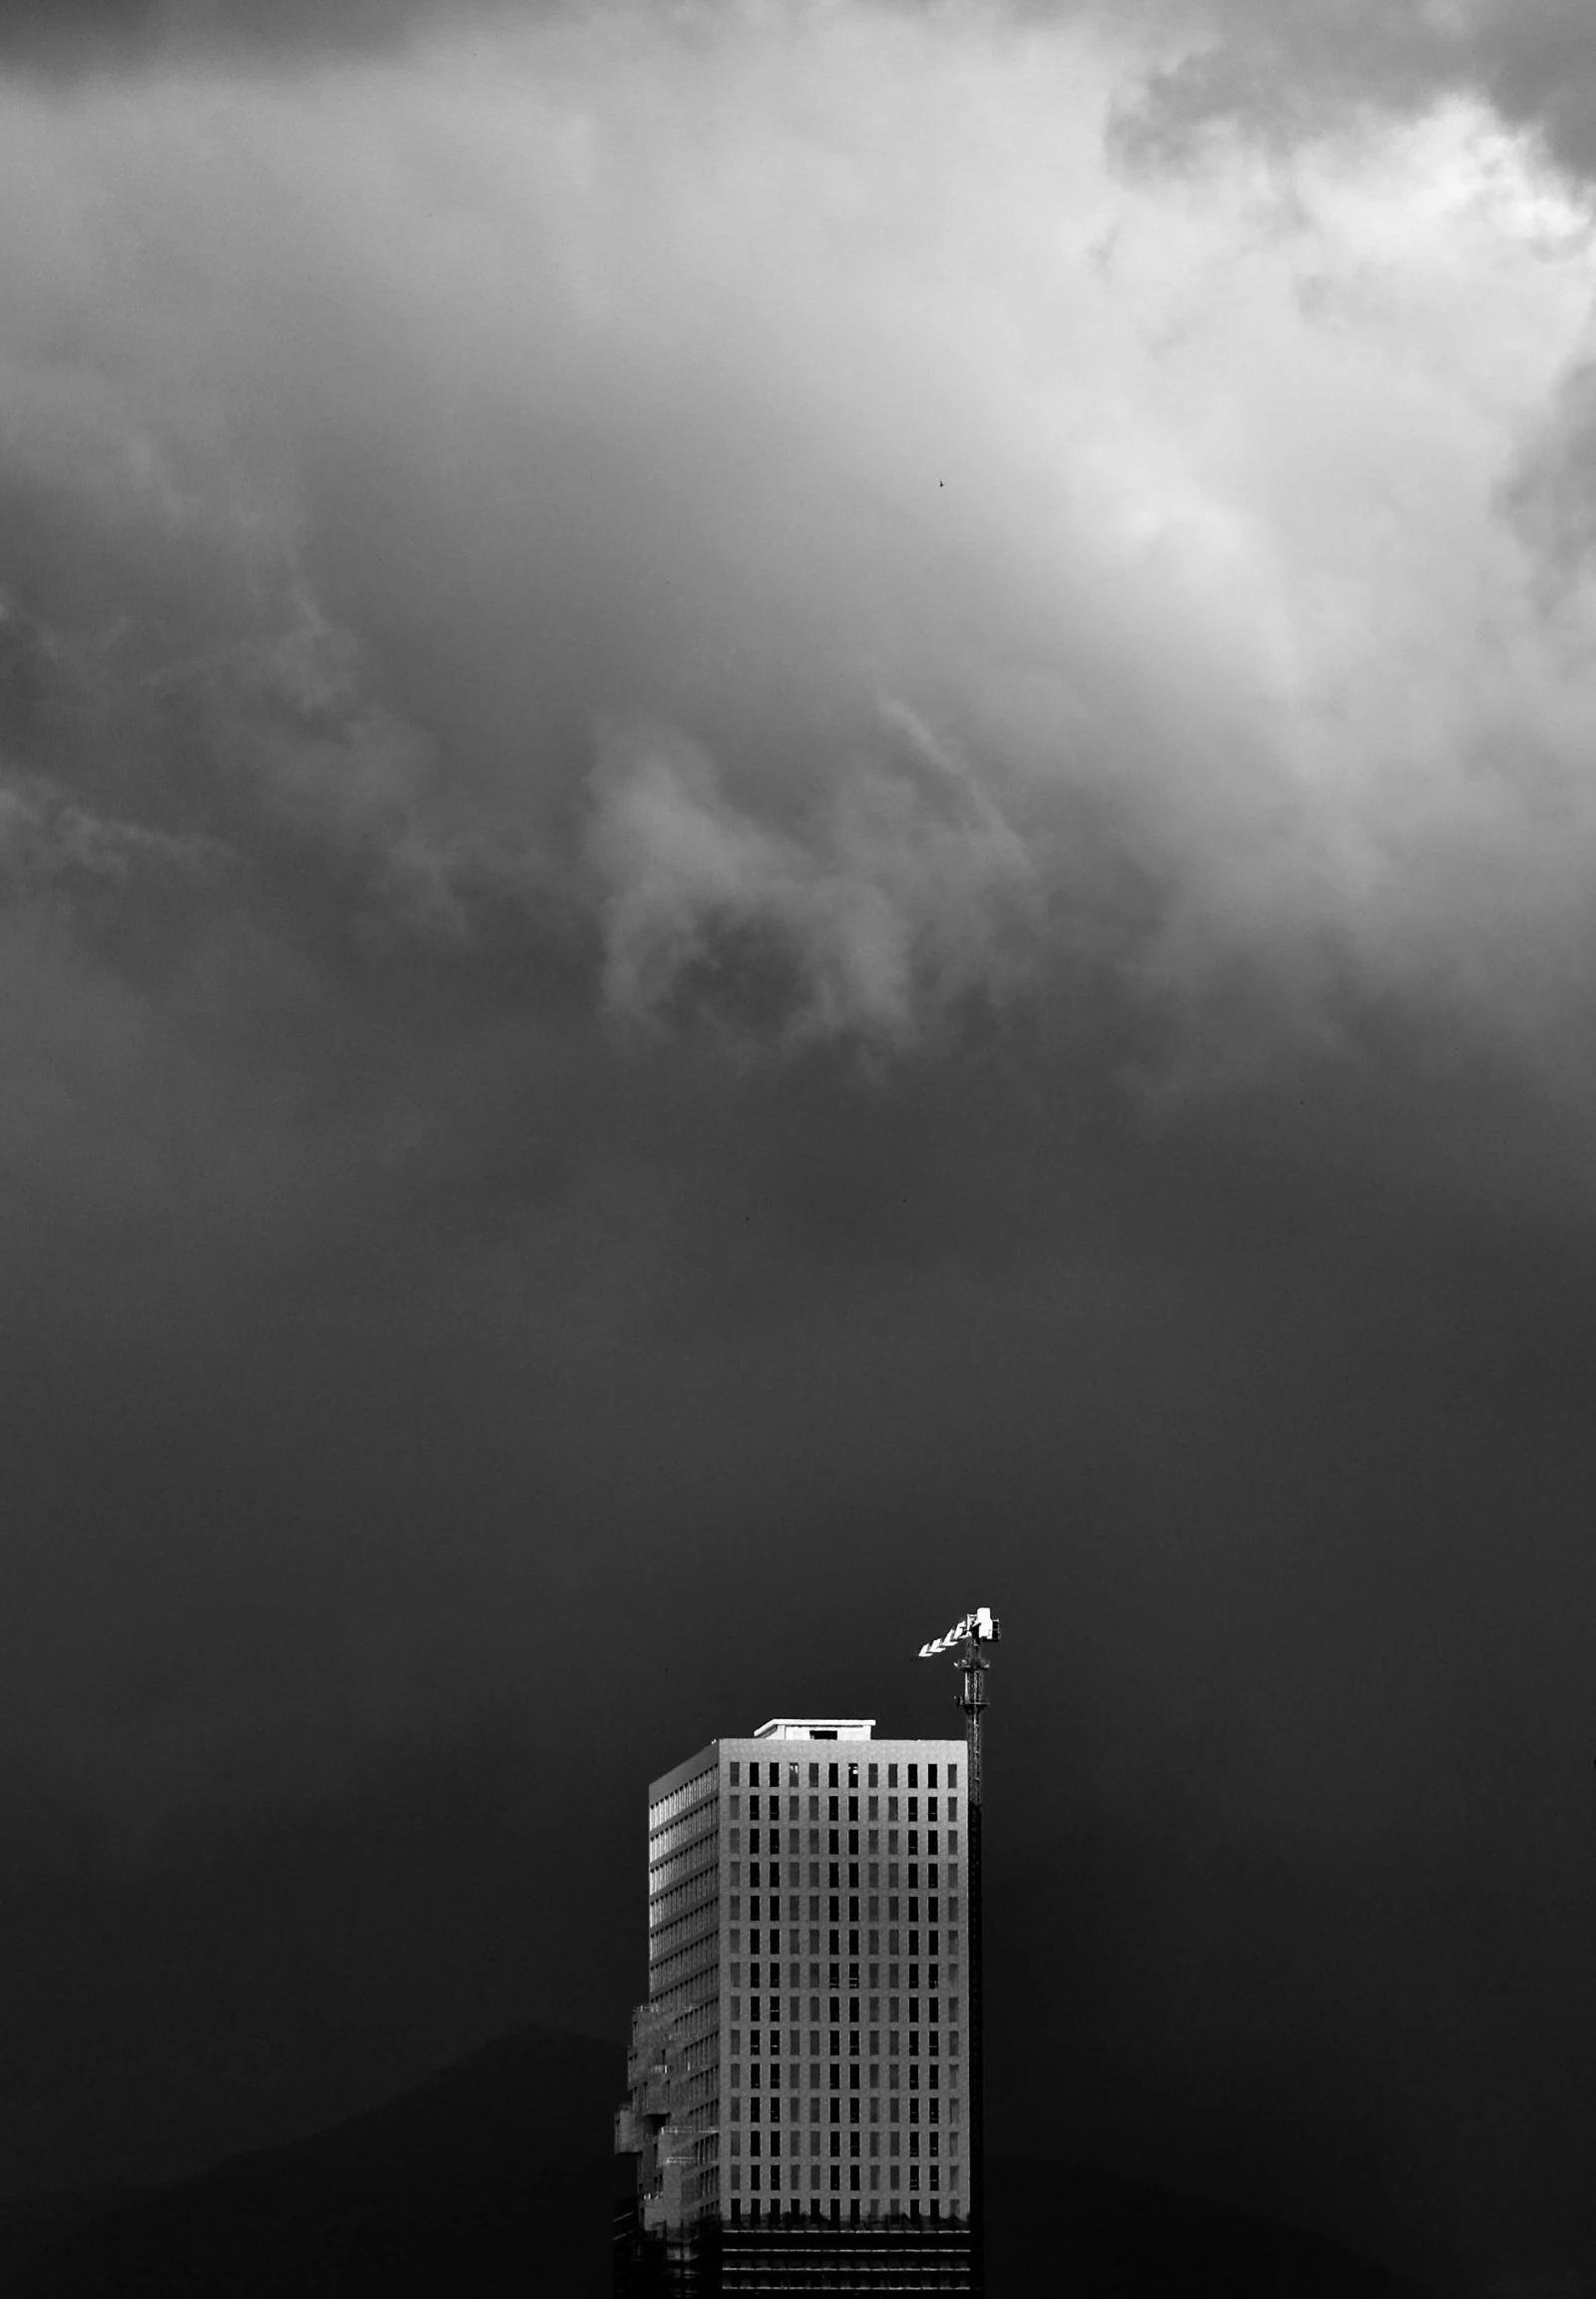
[{"x": 496, "y": 2178}]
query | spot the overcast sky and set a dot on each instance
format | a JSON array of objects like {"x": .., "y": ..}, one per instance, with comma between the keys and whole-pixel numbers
[{"x": 796, "y": 824}]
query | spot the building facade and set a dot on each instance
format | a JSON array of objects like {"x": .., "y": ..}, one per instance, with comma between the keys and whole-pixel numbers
[{"x": 798, "y": 2093}]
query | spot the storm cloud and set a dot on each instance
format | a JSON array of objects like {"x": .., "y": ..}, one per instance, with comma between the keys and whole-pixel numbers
[{"x": 779, "y": 477}]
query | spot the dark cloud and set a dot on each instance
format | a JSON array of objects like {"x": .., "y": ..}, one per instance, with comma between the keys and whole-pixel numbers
[
  {"x": 1301, "y": 68},
  {"x": 1278, "y": 70},
  {"x": 78, "y": 35}
]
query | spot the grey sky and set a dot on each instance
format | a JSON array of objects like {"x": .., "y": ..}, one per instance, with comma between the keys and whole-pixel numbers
[{"x": 789, "y": 782}]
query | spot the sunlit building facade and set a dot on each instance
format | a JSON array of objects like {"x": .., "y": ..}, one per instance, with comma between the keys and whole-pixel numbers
[{"x": 799, "y": 2097}]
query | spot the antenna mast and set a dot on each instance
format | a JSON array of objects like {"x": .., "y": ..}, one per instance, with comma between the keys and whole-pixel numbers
[{"x": 965, "y": 1641}]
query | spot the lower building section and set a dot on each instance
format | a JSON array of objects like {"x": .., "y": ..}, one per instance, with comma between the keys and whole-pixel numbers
[
  {"x": 790, "y": 2254},
  {"x": 660, "y": 2263}
]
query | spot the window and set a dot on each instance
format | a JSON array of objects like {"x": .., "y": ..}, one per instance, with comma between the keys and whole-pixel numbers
[
  {"x": 930, "y": 1776},
  {"x": 737, "y": 1773},
  {"x": 952, "y": 1776},
  {"x": 891, "y": 1775},
  {"x": 872, "y": 1775},
  {"x": 830, "y": 1779},
  {"x": 815, "y": 1776},
  {"x": 853, "y": 1774}
]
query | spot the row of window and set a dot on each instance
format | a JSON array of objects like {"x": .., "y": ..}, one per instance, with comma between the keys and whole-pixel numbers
[
  {"x": 836, "y": 2015},
  {"x": 667, "y": 1835},
  {"x": 775, "y": 2212},
  {"x": 794, "y": 2177},
  {"x": 775, "y": 1768},
  {"x": 895, "y": 2139},
  {"x": 849, "y": 2009},
  {"x": 855, "y": 2110},
  {"x": 834, "y": 1845},
  {"x": 894, "y": 1942},
  {"x": 816, "y": 2050},
  {"x": 872, "y": 1807},
  {"x": 934, "y": 1915},
  {"x": 834, "y": 1868},
  {"x": 680, "y": 1800},
  {"x": 750, "y": 2211},
  {"x": 840, "y": 1974},
  {"x": 914, "y": 2027},
  {"x": 856, "y": 2060}
]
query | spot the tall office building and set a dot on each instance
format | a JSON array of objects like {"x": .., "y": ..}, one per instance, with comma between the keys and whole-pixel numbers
[{"x": 800, "y": 2090}]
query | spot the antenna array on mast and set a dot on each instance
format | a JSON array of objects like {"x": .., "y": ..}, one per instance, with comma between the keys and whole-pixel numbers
[{"x": 965, "y": 1641}]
